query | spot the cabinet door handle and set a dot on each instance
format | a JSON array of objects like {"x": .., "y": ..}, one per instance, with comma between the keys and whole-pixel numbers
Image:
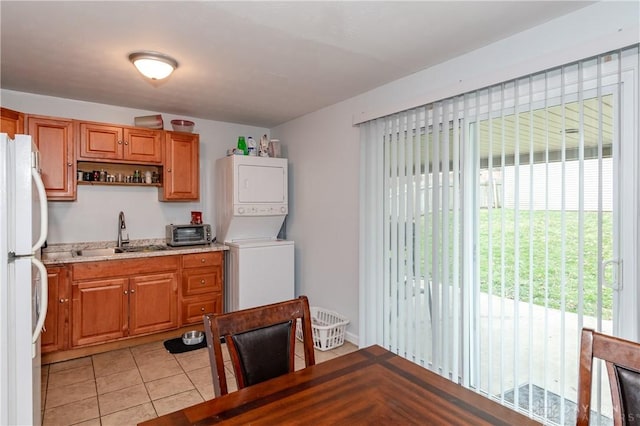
[
  {"x": 132, "y": 291},
  {"x": 62, "y": 300},
  {"x": 126, "y": 292},
  {"x": 69, "y": 164},
  {"x": 202, "y": 309},
  {"x": 202, "y": 282},
  {"x": 119, "y": 142},
  {"x": 203, "y": 260},
  {"x": 126, "y": 142},
  {"x": 169, "y": 171}
]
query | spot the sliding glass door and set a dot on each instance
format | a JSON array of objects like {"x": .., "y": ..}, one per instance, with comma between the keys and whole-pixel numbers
[
  {"x": 547, "y": 244},
  {"x": 496, "y": 224}
]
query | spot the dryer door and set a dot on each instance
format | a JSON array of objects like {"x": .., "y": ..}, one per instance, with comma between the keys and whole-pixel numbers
[{"x": 261, "y": 184}]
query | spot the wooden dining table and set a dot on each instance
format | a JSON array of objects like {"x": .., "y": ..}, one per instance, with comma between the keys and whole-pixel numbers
[{"x": 369, "y": 386}]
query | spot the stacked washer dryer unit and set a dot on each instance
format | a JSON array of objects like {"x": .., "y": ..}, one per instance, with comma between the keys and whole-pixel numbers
[{"x": 251, "y": 205}]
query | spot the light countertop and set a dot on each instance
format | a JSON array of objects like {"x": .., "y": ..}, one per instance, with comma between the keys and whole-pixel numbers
[{"x": 66, "y": 253}]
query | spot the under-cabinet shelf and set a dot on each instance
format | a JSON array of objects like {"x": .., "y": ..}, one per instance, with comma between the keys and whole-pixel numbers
[
  {"x": 92, "y": 182},
  {"x": 118, "y": 174}
]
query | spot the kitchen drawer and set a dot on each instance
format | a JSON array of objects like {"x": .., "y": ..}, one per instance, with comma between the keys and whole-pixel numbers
[
  {"x": 199, "y": 281},
  {"x": 199, "y": 260},
  {"x": 194, "y": 308},
  {"x": 123, "y": 267}
]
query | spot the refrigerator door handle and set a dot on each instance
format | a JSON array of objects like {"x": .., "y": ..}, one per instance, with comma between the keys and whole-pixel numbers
[
  {"x": 44, "y": 297},
  {"x": 44, "y": 219}
]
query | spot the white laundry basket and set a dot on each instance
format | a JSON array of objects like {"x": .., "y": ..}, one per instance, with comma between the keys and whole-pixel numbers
[{"x": 328, "y": 328}]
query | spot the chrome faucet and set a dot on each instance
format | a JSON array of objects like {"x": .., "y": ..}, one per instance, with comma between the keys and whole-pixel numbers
[{"x": 122, "y": 230}]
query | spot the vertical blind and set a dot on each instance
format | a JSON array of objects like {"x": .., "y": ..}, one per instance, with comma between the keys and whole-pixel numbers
[{"x": 488, "y": 231}]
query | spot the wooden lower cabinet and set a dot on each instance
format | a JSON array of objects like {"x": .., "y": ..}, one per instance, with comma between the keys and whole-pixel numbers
[
  {"x": 100, "y": 310},
  {"x": 202, "y": 285},
  {"x": 104, "y": 301},
  {"x": 194, "y": 308},
  {"x": 120, "y": 298},
  {"x": 153, "y": 303},
  {"x": 55, "y": 334}
]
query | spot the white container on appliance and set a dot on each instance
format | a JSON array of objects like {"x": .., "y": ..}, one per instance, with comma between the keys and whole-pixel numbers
[
  {"x": 259, "y": 272},
  {"x": 251, "y": 197},
  {"x": 23, "y": 280}
]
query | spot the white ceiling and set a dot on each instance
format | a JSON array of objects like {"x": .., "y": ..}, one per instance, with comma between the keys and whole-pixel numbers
[{"x": 258, "y": 63}]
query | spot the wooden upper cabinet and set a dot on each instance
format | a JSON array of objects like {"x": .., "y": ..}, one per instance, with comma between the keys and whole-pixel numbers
[
  {"x": 100, "y": 142},
  {"x": 107, "y": 143},
  {"x": 181, "y": 175},
  {"x": 11, "y": 122},
  {"x": 143, "y": 145},
  {"x": 54, "y": 139}
]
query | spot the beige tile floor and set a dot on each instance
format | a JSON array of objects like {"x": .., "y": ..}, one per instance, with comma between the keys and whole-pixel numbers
[{"x": 130, "y": 385}]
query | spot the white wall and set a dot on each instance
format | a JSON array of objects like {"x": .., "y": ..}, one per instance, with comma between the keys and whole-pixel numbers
[
  {"x": 323, "y": 157},
  {"x": 94, "y": 216},
  {"x": 323, "y": 147}
]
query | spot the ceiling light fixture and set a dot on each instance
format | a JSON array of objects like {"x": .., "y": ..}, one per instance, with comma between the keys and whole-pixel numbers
[{"x": 153, "y": 65}]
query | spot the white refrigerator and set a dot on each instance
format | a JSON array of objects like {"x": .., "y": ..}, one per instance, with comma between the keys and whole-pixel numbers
[{"x": 23, "y": 280}]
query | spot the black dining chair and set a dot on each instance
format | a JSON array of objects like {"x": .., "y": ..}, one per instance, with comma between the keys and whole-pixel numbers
[
  {"x": 622, "y": 358},
  {"x": 261, "y": 342}
]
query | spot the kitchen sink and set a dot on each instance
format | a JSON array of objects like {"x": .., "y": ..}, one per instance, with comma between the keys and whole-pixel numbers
[
  {"x": 115, "y": 250},
  {"x": 57, "y": 255},
  {"x": 135, "y": 249},
  {"x": 94, "y": 252}
]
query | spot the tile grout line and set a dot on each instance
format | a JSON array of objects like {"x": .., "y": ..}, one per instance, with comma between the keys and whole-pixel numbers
[
  {"x": 48, "y": 390},
  {"x": 93, "y": 366},
  {"x": 95, "y": 382},
  {"x": 190, "y": 380},
  {"x": 135, "y": 361}
]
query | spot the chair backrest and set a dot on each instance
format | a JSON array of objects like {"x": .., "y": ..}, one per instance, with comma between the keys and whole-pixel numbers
[
  {"x": 260, "y": 340},
  {"x": 622, "y": 359}
]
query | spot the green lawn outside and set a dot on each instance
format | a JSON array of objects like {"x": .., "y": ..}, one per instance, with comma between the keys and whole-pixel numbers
[{"x": 546, "y": 281}]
